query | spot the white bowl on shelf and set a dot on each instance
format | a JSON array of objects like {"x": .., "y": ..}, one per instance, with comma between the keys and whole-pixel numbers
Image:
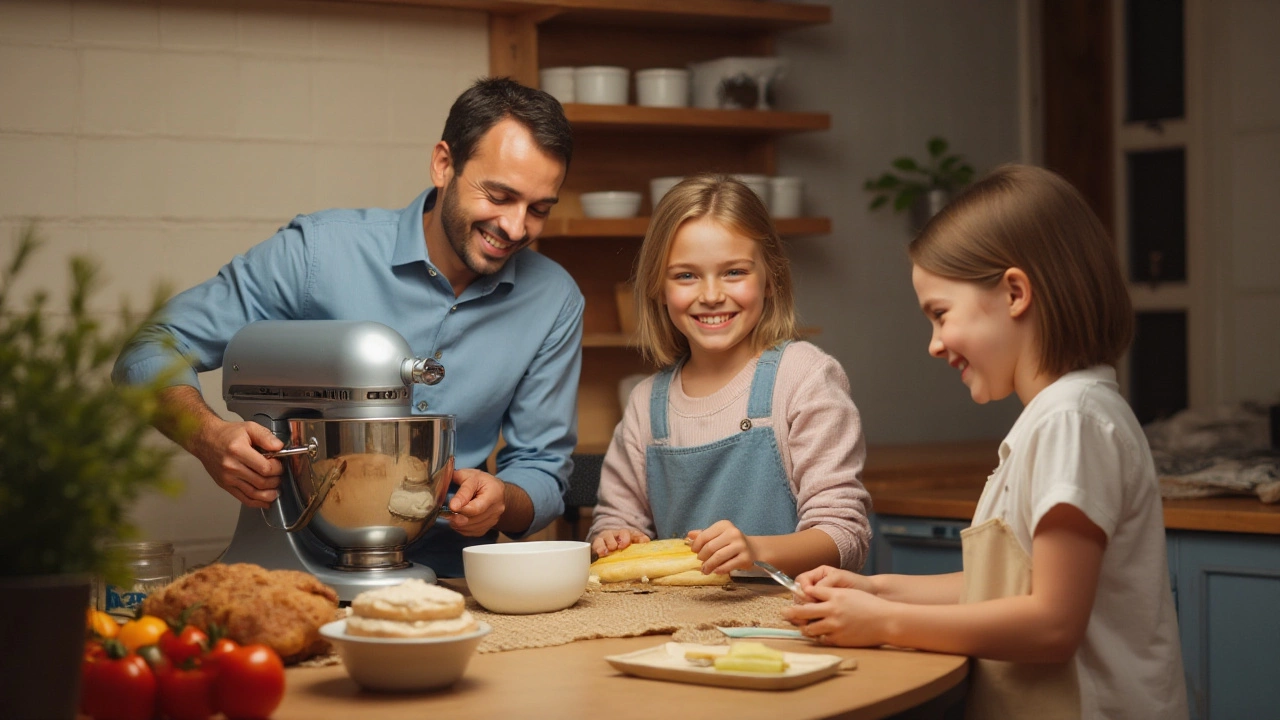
[
  {"x": 758, "y": 183},
  {"x": 610, "y": 204},
  {"x": 660, "y": 185},
  {"x": 662, "y": 87},
  {"x": 559, "y": 83},
  {"x": 521, "y": 578},
  {"x": 404, "y": 664},
  {"x": 601, "y": 84}
]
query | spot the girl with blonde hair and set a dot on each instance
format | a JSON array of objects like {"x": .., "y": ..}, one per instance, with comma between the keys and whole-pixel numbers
[
  {"x": 1064, "y": 595},
  {"x": 747, "y": 442}
]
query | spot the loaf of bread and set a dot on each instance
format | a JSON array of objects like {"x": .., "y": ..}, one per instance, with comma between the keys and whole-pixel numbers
[{"x": 654, "y": 561}]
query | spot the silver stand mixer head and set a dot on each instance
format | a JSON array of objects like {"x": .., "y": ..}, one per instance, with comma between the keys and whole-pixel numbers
[{"x": 364, "y": 477}]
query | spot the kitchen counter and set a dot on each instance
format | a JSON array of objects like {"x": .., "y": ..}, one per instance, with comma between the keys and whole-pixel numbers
[{"x": 944, "y": 480}]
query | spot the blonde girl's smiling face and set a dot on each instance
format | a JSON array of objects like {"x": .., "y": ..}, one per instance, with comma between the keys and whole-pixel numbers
[
  {"x": 981, "y": 332},
  {"x": 715, "y": 288}
]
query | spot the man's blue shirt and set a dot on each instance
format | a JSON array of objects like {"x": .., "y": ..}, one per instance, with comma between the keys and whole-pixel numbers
[{"x": 510, "y": 343}]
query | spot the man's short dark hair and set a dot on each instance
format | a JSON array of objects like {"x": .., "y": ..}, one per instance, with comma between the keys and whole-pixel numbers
[{"x": 491, "y": 100}]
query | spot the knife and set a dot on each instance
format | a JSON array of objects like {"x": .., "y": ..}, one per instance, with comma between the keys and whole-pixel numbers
[{"x": 783, "y": 579}]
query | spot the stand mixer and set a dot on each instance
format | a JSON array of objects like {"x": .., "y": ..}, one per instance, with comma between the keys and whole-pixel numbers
[{"x": 363, "y": 476}]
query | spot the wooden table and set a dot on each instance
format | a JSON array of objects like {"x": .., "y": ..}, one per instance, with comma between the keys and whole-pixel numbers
[{"x": 574, "y": 681}]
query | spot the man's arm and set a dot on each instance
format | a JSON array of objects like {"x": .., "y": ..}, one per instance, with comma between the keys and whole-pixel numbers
[
  {"x": 541, "y": 427},
  {"x": 229, "y": 451}
]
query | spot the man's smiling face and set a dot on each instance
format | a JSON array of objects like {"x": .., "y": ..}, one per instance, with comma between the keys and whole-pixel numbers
[{"x": 499, "y": 203}]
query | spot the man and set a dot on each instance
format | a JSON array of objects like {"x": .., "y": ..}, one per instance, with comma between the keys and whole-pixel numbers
[{"x": 448, "y": 273}]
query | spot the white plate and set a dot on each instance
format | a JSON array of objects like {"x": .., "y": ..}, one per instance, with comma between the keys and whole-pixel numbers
[{"x": 666, "y": 662}]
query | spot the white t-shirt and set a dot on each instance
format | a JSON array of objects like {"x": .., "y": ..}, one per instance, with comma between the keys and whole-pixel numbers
[{"x": 1078, "y": 443}]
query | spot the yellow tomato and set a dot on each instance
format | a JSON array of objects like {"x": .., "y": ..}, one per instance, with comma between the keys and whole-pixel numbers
[
  {"x": 101, "y": 624},
  {"x": 146, "y": 630}
]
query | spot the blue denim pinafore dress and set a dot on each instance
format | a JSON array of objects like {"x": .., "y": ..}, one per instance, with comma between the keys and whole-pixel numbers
[{"x": 739, "y": 478}]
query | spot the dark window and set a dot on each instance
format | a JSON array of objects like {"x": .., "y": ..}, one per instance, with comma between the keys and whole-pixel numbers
[
  {"x": 1158, "y": 365},
  {"x": 1157, "y": 201},
  {"x": 1154, "y": 68}
]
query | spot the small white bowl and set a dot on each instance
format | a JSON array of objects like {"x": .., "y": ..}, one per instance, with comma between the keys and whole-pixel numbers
[
  {"x": 659, "y": 187},
  {"x": 662, "y": 87},
  {"x": 521, "y": 578},
  {"x": 404, "y": 664},
  {"x": 610, "y": 204},
  {"x": 601, "y": 84}
]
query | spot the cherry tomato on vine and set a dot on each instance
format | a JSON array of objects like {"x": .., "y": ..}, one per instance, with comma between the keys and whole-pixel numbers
[
  {"x": 249, "y": 682},
  {"x": 146, "y": 630},
  {"x": 100, "y": 624},
  {"x": 186, "y": 692},
  {"x": 189, "y": 642},
  {"x": 117, "y": 685}
]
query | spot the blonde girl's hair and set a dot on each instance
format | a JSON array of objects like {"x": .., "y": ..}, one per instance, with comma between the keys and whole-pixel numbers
[
  {"x": 735, "y": 206},
  {"x": 1030, "y": 218}
]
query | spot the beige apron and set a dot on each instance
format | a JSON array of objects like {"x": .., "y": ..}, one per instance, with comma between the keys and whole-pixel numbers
[{"x": 996, "y": 566}]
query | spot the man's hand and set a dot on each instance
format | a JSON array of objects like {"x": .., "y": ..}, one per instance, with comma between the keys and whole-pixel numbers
[
  {"x": 230, "y": 453},
  {"x": 478, "y": 504}
]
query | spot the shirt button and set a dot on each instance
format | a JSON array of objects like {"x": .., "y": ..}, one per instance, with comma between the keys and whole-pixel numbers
[
  {"x": 422, "y": 405},
  {"x": 431, "y": 272},
  {"x": 453, "y": 309},
  {"x": 439, "y": 355}
]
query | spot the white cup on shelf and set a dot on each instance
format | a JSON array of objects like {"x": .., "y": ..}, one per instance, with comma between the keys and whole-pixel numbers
[
  {"x": 559, "y": 83},
  {"x": 758, "y": 183},
  {"x": 785, "y": 195},
  {"x": 601, "y": 84},
  {"x": 659, "y": 186}
]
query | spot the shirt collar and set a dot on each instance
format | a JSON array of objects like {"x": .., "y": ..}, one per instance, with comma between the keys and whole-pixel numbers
[{"x": 411, "y": 245}]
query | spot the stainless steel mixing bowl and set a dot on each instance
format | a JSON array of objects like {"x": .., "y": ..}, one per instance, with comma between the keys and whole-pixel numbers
[{"x": 368, "y": 487}]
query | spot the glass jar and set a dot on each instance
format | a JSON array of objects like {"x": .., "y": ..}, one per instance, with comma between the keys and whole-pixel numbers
[{"x": 150, "y": 567}]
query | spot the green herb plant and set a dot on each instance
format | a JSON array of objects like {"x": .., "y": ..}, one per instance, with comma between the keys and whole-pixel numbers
[
  {"x": 76, "y": 451},
  {"x": 913, "y": 180}
]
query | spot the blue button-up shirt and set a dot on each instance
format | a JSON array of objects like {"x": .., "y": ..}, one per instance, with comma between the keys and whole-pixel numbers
[{"x": 510, "y": 343}]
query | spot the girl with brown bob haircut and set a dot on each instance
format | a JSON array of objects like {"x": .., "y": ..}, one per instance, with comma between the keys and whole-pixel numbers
[
  {"x": 1063, "y": 600},
  {"x": 746, "y": 443}
]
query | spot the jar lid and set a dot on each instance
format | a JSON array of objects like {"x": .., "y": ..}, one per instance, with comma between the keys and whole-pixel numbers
[{"x": 144, "y": 547}]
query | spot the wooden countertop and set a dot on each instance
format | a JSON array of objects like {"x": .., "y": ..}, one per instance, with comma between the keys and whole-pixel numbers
[
  {"x": 944, "y": 480},
  {"x": 574, "y": 681}
]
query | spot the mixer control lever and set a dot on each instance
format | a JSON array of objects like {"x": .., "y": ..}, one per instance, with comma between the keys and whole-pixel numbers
[{"x": 422, "y": 370}]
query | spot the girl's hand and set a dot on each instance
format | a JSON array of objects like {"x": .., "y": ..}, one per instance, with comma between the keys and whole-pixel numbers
[
  {"x": 827, "y": 576},
  {"x": 721, "y": 548},
  {"x": 839, "y": 616},
  {"x": 607, "y": 541}
]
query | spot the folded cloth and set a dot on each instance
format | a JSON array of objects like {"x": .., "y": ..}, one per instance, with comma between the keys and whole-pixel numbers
[{"x": 1223, "y": 450}]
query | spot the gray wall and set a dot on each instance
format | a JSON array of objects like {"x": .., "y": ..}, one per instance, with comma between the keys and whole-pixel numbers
[{"x": 893, "y": 74}]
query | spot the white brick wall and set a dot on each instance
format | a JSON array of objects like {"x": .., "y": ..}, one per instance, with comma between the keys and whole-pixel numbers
[{"x": 164, "y": 136}]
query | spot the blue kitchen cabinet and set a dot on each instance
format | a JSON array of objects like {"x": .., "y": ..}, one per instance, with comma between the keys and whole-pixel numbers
[
  {"x": 915, "y": 546},
  {"x": 1228, "y": 594}
]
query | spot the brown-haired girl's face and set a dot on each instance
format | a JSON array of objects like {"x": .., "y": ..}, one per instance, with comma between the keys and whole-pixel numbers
[
  {"x": 973, "y": 331},
  {"x": 715, "y": 285}
]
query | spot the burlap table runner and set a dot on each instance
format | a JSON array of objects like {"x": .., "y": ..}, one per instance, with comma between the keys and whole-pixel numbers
[{"x": 690, "y": 614}]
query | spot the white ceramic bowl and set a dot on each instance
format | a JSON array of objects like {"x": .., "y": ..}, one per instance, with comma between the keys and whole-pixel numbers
[
  {"x": 403, "y": 664},
  {"x": 559, "y": 82},
  {"x": 521, "y": 578},
  {"x": 662, "y": 87},
  {"x": 758, "y": 183},
  {"x": 601, "y": 84},
  {"x": 610, "y": 204},
  {"x": 659, "y": 187}
]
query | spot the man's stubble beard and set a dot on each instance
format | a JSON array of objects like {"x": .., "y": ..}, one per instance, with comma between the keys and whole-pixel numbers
[{"x": 457, "y": 231}]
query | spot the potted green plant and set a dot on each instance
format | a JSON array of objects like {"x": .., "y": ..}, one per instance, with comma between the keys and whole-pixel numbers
[
  {"x": 75, "y": 453},
  {"x": 924, "y": 188}
]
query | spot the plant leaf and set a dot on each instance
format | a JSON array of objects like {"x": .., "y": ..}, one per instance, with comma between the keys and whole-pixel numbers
[
  {"x": 906, "y": 164},
  {"x": 937, "y": 146}
]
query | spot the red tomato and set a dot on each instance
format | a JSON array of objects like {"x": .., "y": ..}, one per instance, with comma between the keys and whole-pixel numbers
[
  {"x": 249, "y": 683},
  {"x": 186, "y": 693},
  {"x": 117, "y": 686},
  {"x": 180, "y": 647}
]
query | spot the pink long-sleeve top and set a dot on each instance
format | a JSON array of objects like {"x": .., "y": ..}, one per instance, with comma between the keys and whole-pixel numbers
[{"x": 815, "y": 422}]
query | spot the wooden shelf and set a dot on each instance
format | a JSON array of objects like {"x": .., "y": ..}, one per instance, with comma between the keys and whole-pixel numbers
[
  {"x": 667, "y": 120},
  {"x": 674, "y": 14},
  {"x": 592, "y": 448},
  {"x": 580, "y": 227}
]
